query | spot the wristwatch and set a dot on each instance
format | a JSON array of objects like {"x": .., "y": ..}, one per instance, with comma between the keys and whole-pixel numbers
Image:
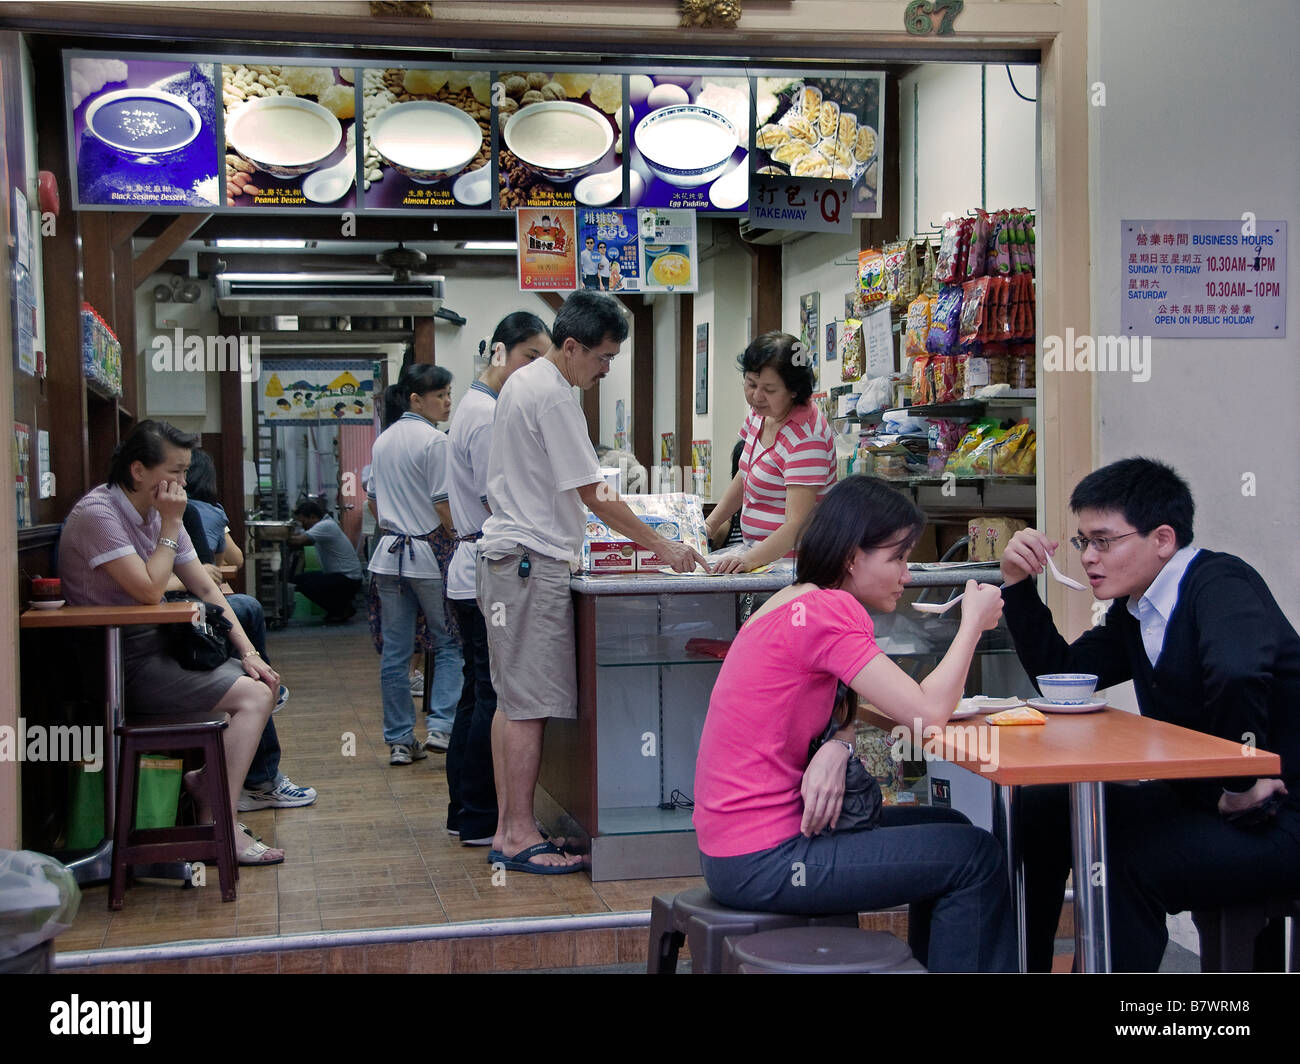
[{"x": 163, "y": 541}]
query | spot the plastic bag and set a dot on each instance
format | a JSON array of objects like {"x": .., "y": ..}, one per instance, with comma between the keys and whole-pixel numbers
[
  {"x": 877, "y": 394},
  {"x": 38, "y": 899}
]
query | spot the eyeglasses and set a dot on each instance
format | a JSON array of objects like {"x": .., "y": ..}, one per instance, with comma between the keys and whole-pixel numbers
[
  {"x": 1102, "y": 543},
  {"x": 606, "y": 359}
]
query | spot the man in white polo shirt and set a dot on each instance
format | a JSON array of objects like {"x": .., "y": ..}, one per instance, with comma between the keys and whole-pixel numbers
[{"x": 542, "y": 477}]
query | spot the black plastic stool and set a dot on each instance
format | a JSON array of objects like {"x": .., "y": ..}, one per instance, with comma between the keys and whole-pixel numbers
[
  {"x": 818, "y": 951},
  {"x": 695, "y": 917},
  {"x": 1230, "y": 937}
]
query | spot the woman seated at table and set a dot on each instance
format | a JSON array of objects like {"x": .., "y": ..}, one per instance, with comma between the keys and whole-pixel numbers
[
  {"x": 788, "y": 461},
  {"x": 119, "y": 547},
  {"x": 765, "y": 810}
]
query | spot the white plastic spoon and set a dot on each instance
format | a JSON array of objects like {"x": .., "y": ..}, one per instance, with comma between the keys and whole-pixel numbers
[
  {"x": 332, "y": 183},
  {"x": 938, "y": 607},
  {"x": 1061, "y": 578}
]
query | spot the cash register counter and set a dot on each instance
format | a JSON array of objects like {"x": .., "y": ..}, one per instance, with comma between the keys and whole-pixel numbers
[{"x": 620, "y": 777}]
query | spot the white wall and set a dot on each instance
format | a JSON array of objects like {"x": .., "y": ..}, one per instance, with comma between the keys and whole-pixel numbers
[
  {"x": 940, "y": 144},
  {"x": 826, "y": 263},
  {"x": 1214, "y": 409},
  {"x": 483, "y": 301}
]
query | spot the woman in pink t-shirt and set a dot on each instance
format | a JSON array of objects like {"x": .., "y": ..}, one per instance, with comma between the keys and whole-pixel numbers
[
  {"x": 788, "y": 461},
  {"x": 763, "y": 806}
]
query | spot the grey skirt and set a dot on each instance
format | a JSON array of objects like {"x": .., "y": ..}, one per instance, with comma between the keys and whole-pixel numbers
[{"x": 154, "y": 681}]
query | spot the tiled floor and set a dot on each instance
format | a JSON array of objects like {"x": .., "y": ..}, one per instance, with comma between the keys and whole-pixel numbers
[{"x": 371, "y": 852}]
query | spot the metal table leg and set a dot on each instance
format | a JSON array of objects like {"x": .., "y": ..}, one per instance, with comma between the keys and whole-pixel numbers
[
  {"x": 97, "y": 866},
  {"x": 1006, "y": 813},
  {"x": 1091, "y": 918}
]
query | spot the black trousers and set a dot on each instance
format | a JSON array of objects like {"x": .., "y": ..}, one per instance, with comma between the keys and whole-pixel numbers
[
  {"x": 472, "y": 809},
  {"x": 332, "y": 592},
  {"x": 1163, "y": 855}
]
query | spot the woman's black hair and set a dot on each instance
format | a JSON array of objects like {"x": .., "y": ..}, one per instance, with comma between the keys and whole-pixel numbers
[
  {"x": 201, "y": 478},
  {"x": 518, "y": 327},
  {"x": 147, "y": 444},
  {"x": 860, "y": 511},
  {"x": 421, "y": 378},
  {"x": 395, "y": 404},
  {"x": 785, "y": 354}
]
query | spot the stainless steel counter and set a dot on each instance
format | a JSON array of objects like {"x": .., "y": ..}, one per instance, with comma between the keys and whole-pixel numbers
[{"x": 740, "y": 583}]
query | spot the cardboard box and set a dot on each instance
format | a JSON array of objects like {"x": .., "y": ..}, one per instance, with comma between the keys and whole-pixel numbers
[
  {"x": 989, "y": 536},
  {"x": 607, "y": 557}
]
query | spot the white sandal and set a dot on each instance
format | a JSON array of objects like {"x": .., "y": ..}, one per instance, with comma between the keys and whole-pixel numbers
[{"x": 256, "y": 853}]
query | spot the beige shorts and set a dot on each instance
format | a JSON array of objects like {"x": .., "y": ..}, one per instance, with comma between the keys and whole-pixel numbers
[{"x": 530, "y": 636}]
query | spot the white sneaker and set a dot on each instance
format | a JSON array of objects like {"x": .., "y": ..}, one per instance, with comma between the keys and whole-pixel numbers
[
  {"x": 437, "y": 740},
  {"x": 283, "y": 794},
  {"x": 417, "y": 684}
]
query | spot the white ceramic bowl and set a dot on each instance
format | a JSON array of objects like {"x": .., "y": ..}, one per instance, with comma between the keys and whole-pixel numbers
[
  {"x": 133, "y": 142},
  {"x": 261, "y": 131},
  {"x": 448, "y": 139},
  {"x": 672, "y": 157},
  {"x": 558, "y": 139},
  {"x": 1067, "y": 688}
]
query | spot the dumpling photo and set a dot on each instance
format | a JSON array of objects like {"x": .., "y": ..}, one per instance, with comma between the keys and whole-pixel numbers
[
  {"x": 802, "y": 128},
  {"x": 772, "y": 136},
  {"x": 866, "y": 145},
  {"x": 830, "y": 118},
  {"x": 813, "y": 164},
  {"x": 792, "y": 150}
]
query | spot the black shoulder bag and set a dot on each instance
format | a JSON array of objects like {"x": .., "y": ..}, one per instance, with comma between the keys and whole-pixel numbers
[{"x": 204, "y": 643}]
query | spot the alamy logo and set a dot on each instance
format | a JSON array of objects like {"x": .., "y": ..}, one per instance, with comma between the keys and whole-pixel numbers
[
  {"x": 1097, "y": 354},
  {"x": 63, "y": 742},
  {"x": 102, "y": 1017},
  {"x": 179, "y": 353}
]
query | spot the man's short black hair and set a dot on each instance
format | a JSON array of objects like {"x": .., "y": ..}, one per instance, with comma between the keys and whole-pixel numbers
[
  {"x": 309, "y": 508},
  {"x": 590, "y": 317},
  {"x": 1148, "y": 493}
]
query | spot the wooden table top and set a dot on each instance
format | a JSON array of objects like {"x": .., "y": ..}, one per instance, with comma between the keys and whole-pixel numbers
[
  {"x": 1109, "y": 745},
  {"x": 106, "y": 616}
]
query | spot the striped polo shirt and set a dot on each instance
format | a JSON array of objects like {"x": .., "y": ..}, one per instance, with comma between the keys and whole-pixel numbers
[{"x": 803, "y": 453}]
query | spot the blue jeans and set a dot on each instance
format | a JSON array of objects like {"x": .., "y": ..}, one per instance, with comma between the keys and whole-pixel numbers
[
  {"x": 951, "y": 874},
  {"x": 401, "y": 598},
  {"x": 265, "y": 768}
]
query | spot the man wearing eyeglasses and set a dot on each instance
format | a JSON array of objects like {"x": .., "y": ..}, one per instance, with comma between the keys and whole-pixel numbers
[
  {"x": 1207, "y": 648},
  {"x": 542, "y": 477}
]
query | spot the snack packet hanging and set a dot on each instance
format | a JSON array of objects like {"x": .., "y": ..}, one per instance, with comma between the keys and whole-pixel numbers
[
  {"x": 895, "y": 269},
  {"x": 918, "y": 325},
  {"x": 928, "y": 265},
  {"x": 977, "y": 433},
  {"x": 943, "y": 369},
  {"x": 922, "y": 382},
  {"x": 947, "y": 265},
  {"x": 871, "y": 275},
  {"x": 944, "y": 319},
  {"x": 974, "y": 300},
  {"x": 976, "y": 243},
  {"x": 852, "y": 354}
]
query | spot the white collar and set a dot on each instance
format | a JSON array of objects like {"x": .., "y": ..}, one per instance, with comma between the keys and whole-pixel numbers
[{"x": 124, "y": 504}]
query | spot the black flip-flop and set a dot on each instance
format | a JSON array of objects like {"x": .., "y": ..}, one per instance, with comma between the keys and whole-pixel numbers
[{"x": 521, "y": 862}]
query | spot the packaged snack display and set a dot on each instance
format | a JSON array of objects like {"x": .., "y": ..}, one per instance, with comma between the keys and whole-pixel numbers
[
  {"x": 852, "y": 354},
  {"x": 977, "y": 373},
  {"x": 948, "y": 267},
  {"x": 978, "y": 434},
  {"x": 944, "y": 319},
  {"x": 918, "y": 325},
  {"x": 1011, "y": 453},
  {"x": 676, "y": 516},
  {"x": 943, "y": 369},
  {"x": 871, "y": 275},
  {"x": 898, "y": 270},
  {"x": 976, "y": 237},
  {"x": 928, "y": 265}
]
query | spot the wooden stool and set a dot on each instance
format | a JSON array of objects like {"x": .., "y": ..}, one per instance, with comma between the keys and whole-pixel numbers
[
  {"x": 818, "y": 951},
  {"x": 1229, "y": 936},
  {"x": 202, "y": 842},
  {"x": 693, "y": 916}
]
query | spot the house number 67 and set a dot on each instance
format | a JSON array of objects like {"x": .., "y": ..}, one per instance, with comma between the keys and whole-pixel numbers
[{"x": 917, "y": 18}]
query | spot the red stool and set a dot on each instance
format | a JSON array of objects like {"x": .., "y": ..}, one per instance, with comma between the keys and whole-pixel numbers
[{"x": 201, "y": 842}]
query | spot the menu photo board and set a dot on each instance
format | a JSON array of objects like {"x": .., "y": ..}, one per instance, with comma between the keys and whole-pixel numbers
[
  {"x": 668, "y": 258},
  {"x": 560, "y": 136},
  {"x": 608, "y": 250},
  {"x": 143, "y": 132},
  {"x": 688, "y": 141},
  {"x": 548, "y": 258},
  {"x": 823, "y": 127},
  {"x": 427, "y": 139},
  {"x": 290, "y": 135}
]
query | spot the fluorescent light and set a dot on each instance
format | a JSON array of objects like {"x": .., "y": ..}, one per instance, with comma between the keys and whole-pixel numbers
[
  {"x": 490, "y": 245},
  {"x": 236, "y": 243}
]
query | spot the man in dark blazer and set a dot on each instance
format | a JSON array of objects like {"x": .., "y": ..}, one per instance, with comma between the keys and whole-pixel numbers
[{"x": 1207, "y": 648}]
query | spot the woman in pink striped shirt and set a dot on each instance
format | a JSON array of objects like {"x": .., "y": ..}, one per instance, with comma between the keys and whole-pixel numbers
[{"x": 788, "y": 462}]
